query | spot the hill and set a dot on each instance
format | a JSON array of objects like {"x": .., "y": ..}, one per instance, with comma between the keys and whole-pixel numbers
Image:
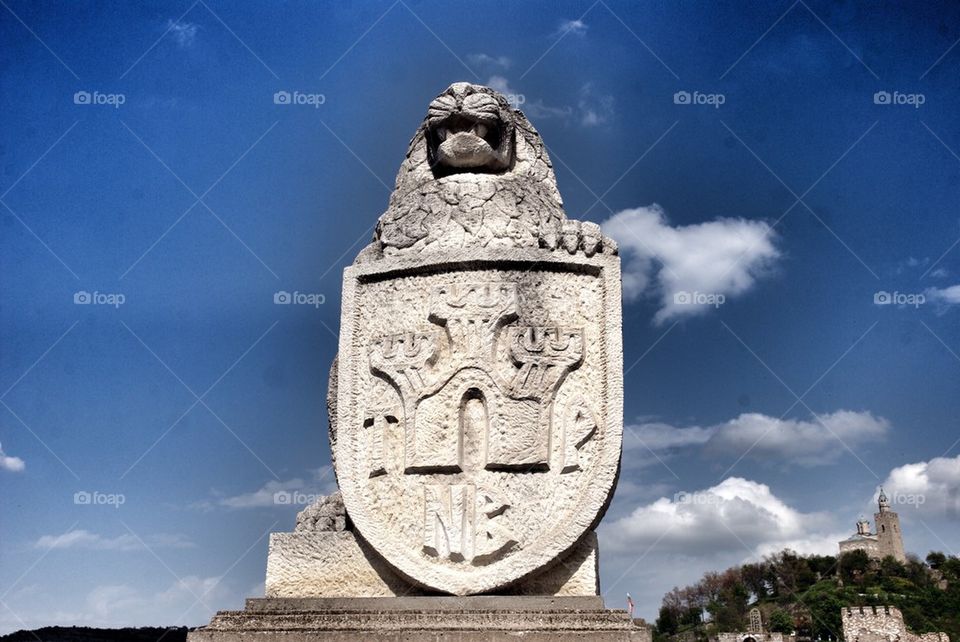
[{"x": 805, "y": 594}]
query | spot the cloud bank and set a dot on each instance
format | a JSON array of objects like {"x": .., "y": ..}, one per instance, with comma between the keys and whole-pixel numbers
[
  {"x": 84, "y": 539},
  {"x": 735, "y": 516},
  {"x": 936, "y": 481},
  {"x": 818, "y": 441}
]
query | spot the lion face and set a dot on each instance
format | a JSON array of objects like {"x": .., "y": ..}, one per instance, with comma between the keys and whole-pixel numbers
[{"x": 469, "y": 131}]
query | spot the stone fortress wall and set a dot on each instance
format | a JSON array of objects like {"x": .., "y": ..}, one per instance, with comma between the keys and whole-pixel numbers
[{"x": 881, "y": 624}]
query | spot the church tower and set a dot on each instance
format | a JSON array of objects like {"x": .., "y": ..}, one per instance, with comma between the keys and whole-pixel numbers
[{"x": 889, "y": 538}]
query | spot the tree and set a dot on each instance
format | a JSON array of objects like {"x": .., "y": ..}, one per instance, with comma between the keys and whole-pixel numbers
[
  {"x": 781, "y": 622},
  {"x": 854, "y": 566},
  {"x": 756, "y": 577},
  {"x": 936, "y": 559},
  {"x": 668, "y": 621},
  {"x": 890, "y": 567},
  {"x": 802, "y": 593}
]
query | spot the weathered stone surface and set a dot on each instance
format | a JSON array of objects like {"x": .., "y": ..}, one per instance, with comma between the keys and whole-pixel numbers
[
  {"x": 881, "y": 624},
  {"x": 479, "y": 376},
  {"x": 573, "y": 575},
  {"x": 423, "y": 619},
  {"x": 476, "y": 175},
  {"x": 325, "y": 514},
  {"x": 338, "y": 564},
  {"x": 480, "y": 401},
  {"x": 328, "y": 564}
]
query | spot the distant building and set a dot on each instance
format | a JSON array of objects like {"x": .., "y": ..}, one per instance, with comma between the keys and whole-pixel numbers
[
  {"x": 888, "y": 540},
  {"x": 881, "y": 624}
]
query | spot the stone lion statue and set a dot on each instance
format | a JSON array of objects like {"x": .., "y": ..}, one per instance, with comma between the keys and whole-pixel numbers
[{"x": 476, "y": 174}]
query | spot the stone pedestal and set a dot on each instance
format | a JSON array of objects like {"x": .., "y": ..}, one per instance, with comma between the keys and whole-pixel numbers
[
  {"x": 341, "y": 564},
  {"x": 422, "y": 619}
]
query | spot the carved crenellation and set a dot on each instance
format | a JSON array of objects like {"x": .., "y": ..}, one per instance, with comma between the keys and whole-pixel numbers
[
  {"x": 472, "y": 314},
  {"x": 881, "y": 624},
  {"x": 403, "y": 359},
  {"x": 545, "y": 355}
]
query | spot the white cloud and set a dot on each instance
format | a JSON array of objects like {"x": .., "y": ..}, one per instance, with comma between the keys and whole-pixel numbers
[
  {"x": 535, "y": 109},
  {"x": 688, "y": 266},
  {"x": 808, "y": 443},
  {"x": 486, "y": 61},
  {"x": 814, "y": 442},
  {"x": 84, "y": 539},
  {"x": 189, "y": 599},
  {"x": 657, "y": 436},
  {"x": 184, "y": 33},
  {"x": 12, "y": 464},
  {"x": 927, "y": 487},
  {"x": 104, "y": 600},
  {"x": 571, "y": 27},
  {"x": 594, "y": 109},
  {"x": 655, "y": 443},
  {"x": 296, "y": 490},
  {"x": 945, "y": 297},
  {"x": 814, "y": 544},
  {"x": 735, "y": 516}
]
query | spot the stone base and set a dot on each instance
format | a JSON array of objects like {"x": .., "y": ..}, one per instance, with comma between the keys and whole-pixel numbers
[
  {"x": 422, "y": 619},
  {"x": 340, "y": 564}
]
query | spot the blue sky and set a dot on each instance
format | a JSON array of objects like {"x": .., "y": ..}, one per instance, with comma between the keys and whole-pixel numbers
[{"x": 746, "y": 146}]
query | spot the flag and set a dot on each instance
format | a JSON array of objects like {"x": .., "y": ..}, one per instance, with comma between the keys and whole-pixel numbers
[{"x": 629, "y": 605}]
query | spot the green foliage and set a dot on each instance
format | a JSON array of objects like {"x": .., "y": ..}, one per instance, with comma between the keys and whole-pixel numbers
[
  {"x": 936, "y": 559},
  {"x": 781, "y": 622},
  {"x": 668, "y": 622},
  {"x": 805, "y": 594}
]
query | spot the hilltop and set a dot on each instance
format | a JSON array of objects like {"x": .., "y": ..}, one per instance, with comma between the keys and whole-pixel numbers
[{"x": 805, "y": 594}]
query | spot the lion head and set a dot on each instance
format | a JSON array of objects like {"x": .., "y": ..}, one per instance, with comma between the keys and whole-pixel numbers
[{"x": 476, "y": 174}]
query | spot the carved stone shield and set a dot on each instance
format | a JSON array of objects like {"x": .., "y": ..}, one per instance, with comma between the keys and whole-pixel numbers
[{"x": 479, "y": 409}]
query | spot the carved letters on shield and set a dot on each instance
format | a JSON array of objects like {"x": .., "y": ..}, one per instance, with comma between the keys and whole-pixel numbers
[
  {"x": 452, "y": 383},
  {"x": 579, "y": 426},
  {"x": 462, "y": 523}
]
